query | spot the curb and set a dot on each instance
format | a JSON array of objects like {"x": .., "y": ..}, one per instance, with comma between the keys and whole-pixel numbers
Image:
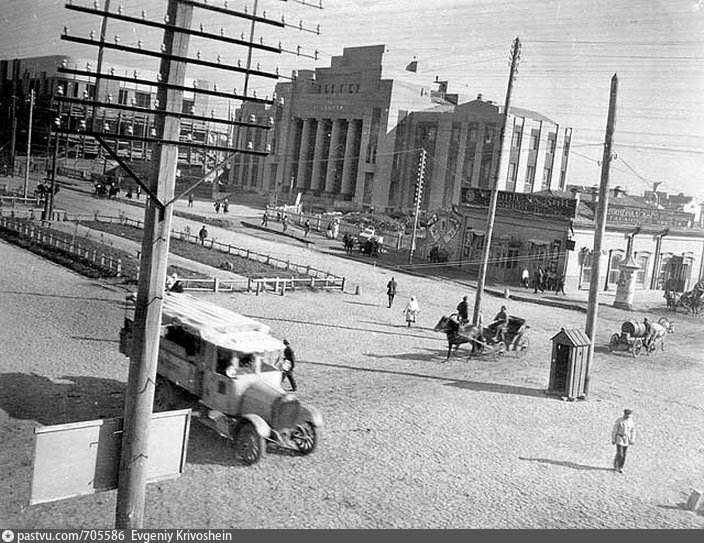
[{"x": 271, "y": 231}]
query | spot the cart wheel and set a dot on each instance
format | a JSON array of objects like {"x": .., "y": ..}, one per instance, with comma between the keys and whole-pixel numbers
[
  {"x": 165, "y": 395},
  {"x": 305, "y": 436},
  {"x": 637, "y": 347},
  {"x": 249, "y": 445},
  {"x": 614, "y": 342},
  {"x": 522, "y": 347}
]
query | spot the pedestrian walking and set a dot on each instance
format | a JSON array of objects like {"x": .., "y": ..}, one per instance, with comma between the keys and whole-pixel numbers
[
  {"x": 138, "y": 191},
  {"x": 202, "y": 234},
  {"x": 216, "y": 205},
  {"x": 525, "y": 278},
  {"x": 306, "y": 228},
  {"x": 288, "y": 365},
  {"x": 391, "y": 291},
  {"x": 284, "y": 222},
  {"x": 226, "y": 206},
  {"x": 623, "y": 435},
  {"x": 265, "y": 218},
  {"x": 412, "y": 310},
  {"x": 463, "y": 310},
  {"x": 190, "y": 200},
  {"x": 560, "y": 285},
  {"x": 538, "y": 279}
]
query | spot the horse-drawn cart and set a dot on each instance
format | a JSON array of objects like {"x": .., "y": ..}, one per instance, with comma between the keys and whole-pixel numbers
[
  {"x": 485, "y": 340},
  {"x": 634, "y": 336},
  {"x": 514, "y": 338}
]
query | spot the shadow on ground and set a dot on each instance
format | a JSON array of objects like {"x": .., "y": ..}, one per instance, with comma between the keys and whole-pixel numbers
[
  {"x": 565, "y": 463},
  {"x": 468, "y": 385}
]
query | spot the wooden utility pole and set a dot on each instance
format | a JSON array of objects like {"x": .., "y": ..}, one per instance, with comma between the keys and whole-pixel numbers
[
  {"x": 29, "y": 141},
  {"x": 515, "y": 55},
  {"x": 600, "y": 228},
  {"x": 152, "y": 276},
  {"x": 416, "y": 207},
  {"x": 14, "y": 128}
]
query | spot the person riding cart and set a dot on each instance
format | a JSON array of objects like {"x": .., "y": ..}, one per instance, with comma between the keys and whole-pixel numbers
[{"x": 500, "y": 325}]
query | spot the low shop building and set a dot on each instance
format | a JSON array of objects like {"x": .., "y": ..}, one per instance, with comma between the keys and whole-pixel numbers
[{"x": 555, "y": 230}]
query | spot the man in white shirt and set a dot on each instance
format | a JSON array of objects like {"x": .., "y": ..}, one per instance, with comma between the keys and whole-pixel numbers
[{"x": 623, "y": 435}]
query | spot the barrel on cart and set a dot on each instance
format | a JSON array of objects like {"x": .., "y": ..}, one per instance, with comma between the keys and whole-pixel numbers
[{"x": 630, "y": 339}]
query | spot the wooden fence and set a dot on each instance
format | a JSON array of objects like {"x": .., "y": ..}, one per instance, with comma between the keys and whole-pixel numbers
[{"x": 103, "y": 260}]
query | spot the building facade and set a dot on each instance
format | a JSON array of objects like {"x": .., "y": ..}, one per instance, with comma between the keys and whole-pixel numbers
[
  {"x": 555, "y": 230},
  {"x": 350, "y": 135},
  {"x": 19, "y": 76},
  {"x": 462, "y": 142}
]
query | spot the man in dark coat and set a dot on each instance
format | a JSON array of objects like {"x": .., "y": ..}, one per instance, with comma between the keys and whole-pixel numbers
[
  {"x": 463, "y": 310},
  {"x": 391, "y": 291},
  {"x": 289, "y": 364}
]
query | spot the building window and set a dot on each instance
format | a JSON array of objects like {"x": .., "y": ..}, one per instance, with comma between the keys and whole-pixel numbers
[
  {"x": 472, "y": 133},
  {"x": 489, "y": 130},
  {"x": 547, "y": 176},
  {"x": 643, "y": 260},
  {"x": 485, "y": 171},
  {"x": 122, "y": 97},
  {"x": 142, "y": 99},
  {"x": 511, "y": 178},
  {"x": 614, "y": 270},
  {"x": 516, "y": 140},
  {"x": 562, "y": 180},
  {"x": 534, "y": 139},
  {"x": 551, "y": 143},
  {"x": 187, "y": 106},
  {"x": 530, "y": 178}
]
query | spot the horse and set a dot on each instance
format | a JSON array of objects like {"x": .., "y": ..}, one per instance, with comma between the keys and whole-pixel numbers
[
  {"x": 660, "y": 330},
  {"x": 458, "y": 334}
]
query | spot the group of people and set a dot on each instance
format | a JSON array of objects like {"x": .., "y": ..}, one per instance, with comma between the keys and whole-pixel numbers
[
  {"x": 544, "y": 280},
  {"x": 225, "y": 206},
  {"x": 412, "y": 309}
]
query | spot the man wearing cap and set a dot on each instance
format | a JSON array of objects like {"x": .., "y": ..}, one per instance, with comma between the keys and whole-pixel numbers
[
  {"x": 289, "y": 363},
  {"x": 623, "y": 435}
]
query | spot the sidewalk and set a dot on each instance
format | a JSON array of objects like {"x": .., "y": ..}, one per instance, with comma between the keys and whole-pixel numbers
[{"x": 243, "y": 219}]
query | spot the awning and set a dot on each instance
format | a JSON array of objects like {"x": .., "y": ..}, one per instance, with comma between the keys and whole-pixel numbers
[{"x": 539, "y": 242}]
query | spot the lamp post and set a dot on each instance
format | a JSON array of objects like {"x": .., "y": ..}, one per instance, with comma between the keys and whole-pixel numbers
[
  {"x": 49, "y": 198},
  {"x": 29, "y": 142}
]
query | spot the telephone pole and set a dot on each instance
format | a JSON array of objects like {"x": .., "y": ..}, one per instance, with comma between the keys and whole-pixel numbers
[
  {"x": 515, "y": 55},
  {"x": 416, "y": 208},
  {"x": 132, "y": 479},
  {"x": 14, "y": 129},
  {"x": 600, "y": 228},
  {"x": 29, "y": 141}
]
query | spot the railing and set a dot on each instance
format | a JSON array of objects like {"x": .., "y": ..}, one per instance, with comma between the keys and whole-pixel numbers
[
  {"x": 65, "y": 243},
  {"x": 315, "y": 278}
]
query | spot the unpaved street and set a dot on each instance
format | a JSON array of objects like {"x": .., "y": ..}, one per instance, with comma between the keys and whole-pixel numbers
[{"x": 409, "y": 441}]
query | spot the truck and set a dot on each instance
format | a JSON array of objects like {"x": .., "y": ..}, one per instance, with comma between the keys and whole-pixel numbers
[{"x": 228, "y": 369}]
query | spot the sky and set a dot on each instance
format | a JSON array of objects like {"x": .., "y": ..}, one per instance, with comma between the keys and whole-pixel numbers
[{"x": 570, "y": 49}]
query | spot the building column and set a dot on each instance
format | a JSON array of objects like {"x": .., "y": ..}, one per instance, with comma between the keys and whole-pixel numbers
[
  {"x": 365, "y": 128},
  {"x": 350, "y": 159},
  {"x": 290, "y": 143},
  {"x": 303, "y": 165},
  {"x": 318, "y": 155},
  {"x": 333, "y": 155}
]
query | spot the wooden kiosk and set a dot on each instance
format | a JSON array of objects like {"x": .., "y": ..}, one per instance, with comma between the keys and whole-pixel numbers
[{"x": 570, "y": 351}]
